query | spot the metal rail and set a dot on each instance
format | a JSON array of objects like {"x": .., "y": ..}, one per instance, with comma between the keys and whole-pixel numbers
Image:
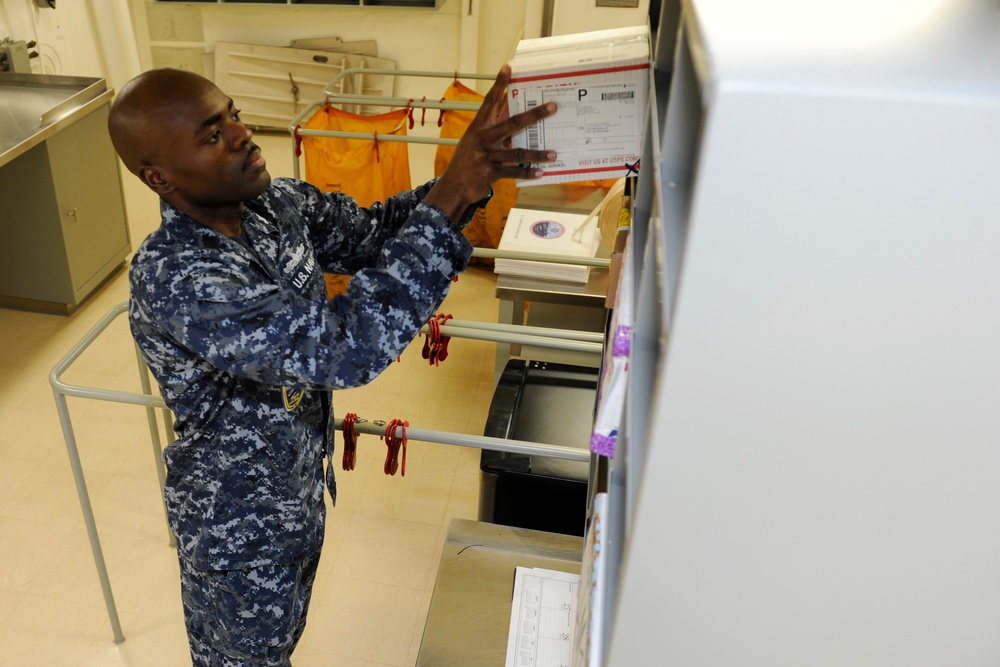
[{"x": 569, "y": 340}]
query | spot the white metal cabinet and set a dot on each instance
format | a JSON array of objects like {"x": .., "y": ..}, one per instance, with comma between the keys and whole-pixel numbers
[{"x": 819, "y": 433}]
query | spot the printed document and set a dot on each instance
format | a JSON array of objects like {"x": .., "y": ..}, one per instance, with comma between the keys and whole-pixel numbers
[{"x": 541, "y": 618}]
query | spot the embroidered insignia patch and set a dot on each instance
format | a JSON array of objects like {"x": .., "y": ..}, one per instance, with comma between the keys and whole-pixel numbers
[{"x": 292, "y": 398}]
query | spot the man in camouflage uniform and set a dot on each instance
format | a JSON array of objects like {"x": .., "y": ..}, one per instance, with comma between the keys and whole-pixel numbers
[{"x": 228, "y": 305}]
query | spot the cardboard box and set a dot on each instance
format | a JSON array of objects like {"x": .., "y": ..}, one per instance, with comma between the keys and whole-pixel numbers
[{"x": 600, "y": 82}]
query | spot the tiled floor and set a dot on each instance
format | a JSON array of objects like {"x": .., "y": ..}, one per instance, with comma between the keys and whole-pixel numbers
[{"x": 383, "y": 539}]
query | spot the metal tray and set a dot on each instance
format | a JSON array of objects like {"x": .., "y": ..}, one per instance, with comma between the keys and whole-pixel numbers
[{"x": 35, "y": 106}]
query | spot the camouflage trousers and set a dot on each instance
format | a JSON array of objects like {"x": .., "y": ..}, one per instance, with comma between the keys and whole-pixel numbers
[{"x": 246, "y": 618}]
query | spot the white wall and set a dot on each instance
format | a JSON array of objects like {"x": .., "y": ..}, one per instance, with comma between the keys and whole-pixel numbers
[
  {"x": 64, "y": 36},
  {"x": 417, "y": 39},
  {"x": 96, "y": 37},
  {"x": 501, "y": 25},
  {"x": 111, "y": 38},
  {"x": 463, "y": 35},
  {"x": 91, "y": 38},
  {"x": 572, "y": 16}
]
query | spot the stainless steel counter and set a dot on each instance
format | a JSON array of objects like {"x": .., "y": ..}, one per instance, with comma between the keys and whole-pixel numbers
[
  {"x": 33, "y": 107},
  {"x": 469, "y": 616}
]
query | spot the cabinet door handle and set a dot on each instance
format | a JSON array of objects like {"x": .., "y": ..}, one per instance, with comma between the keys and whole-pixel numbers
[{"x": 71, "y": 213}]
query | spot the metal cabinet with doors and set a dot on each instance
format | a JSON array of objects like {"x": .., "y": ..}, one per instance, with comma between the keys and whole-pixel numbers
[{"x": 63, "y": 229}]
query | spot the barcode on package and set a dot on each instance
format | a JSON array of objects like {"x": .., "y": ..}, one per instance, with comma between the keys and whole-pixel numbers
[
  {"x": 533, "y": 133},
  {"x": 534, "y": 137},
  {"x": 619, "y": 95}
]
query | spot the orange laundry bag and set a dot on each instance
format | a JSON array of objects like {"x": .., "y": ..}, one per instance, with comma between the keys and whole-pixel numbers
[
  {"x": 367, "y": 170},
  {"x": 486, "y": 228}
]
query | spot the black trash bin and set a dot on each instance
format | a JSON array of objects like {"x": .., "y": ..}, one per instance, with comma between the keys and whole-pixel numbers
[{"x": 548, "y": 403}]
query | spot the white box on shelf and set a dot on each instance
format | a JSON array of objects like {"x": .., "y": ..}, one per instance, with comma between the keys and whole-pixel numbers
[
  {"x": 547, "y": 233},
  {"x": 600, "y": 82}
]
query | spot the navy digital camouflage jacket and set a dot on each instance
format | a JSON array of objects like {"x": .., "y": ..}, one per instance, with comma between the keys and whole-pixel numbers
[{"x": 246, "y": 347}]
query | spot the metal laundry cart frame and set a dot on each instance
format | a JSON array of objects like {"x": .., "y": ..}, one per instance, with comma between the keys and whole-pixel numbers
[{"x": 542, "y": 337}]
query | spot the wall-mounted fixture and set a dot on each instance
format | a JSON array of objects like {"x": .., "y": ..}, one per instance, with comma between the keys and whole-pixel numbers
[{"x": 14, "y": 56}]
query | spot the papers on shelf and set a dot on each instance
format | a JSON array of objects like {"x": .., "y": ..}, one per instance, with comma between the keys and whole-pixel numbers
[
  {"x": 588, "y": 639},
  {"x": 541, "y": 618},
  {"x": 614, "y": 371},
  {"x": 550, "y": 233}
]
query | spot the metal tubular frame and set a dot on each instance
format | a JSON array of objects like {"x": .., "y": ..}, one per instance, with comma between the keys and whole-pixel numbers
[
  {"x": 61, "y": 390},
  {"x": 495, "y": 253},
  {"x": 500, "y": 329},
  {"x": 562, "y": 339}
]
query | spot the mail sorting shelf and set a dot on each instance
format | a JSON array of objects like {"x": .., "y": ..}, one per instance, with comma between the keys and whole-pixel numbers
[{"x": 569, "y": 340}]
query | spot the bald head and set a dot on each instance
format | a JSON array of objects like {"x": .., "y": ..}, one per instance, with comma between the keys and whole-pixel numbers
[
  {"x": 183, "y": 138},
  {"x": 143, "y": 106}
]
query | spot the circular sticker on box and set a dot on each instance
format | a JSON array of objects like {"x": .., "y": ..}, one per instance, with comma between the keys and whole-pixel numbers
[{"x": 548, "y": 229}]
